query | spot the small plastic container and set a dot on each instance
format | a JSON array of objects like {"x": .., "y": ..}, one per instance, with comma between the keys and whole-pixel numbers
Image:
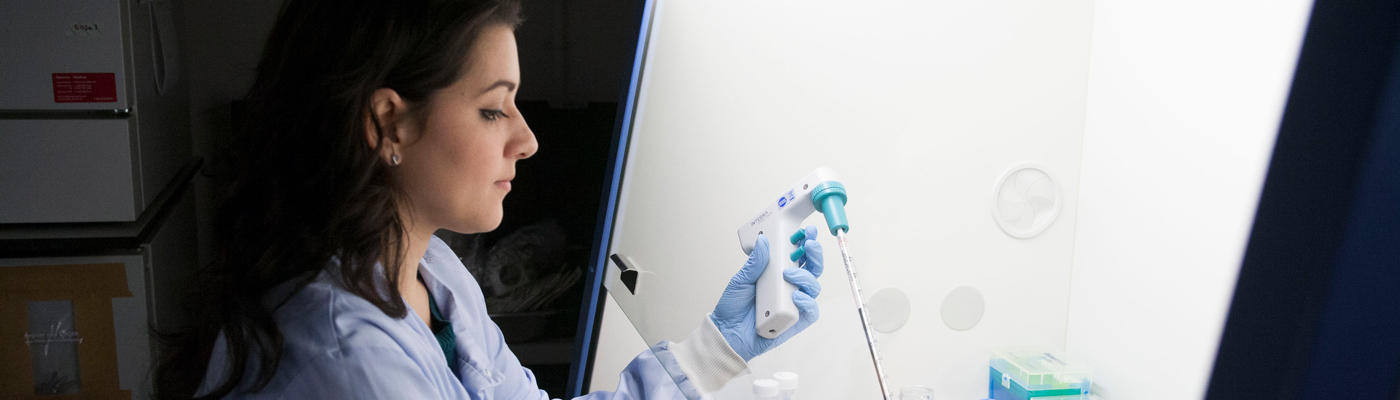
[
  {"x": 787, "y": 384},
  {"x": 1025, "y": 373},
  {"x": 765, "y": 389}
]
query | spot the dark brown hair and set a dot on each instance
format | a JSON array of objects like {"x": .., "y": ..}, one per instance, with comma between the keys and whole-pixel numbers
[{"x": 308, "y": 192}]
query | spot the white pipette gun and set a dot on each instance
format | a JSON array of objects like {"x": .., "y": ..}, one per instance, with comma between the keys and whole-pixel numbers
[{"x": 781, "y": 222}]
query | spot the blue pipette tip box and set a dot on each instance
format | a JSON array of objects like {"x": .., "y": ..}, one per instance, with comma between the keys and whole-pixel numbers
[{"x": 1037, "y": 373}]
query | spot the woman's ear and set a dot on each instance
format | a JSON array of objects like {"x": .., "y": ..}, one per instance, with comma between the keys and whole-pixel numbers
[{"x": 387, "y": 124}]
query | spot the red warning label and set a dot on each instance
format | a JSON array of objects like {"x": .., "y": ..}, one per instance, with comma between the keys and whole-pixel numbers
[{"x": 96, "y": 87}]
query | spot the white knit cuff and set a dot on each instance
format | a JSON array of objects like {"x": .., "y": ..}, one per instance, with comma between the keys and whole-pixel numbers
[{"x": 707, "y": 359}]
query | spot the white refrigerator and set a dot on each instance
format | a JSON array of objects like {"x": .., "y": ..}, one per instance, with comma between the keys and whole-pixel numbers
[
  {"x": 96, "y": 237},
  {"x": 94, "y": 121}
]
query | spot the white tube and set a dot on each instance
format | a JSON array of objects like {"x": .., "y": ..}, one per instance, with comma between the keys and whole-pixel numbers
[
  {"x": 787, "y": 384},
  {"x": 765, "y": 389}
]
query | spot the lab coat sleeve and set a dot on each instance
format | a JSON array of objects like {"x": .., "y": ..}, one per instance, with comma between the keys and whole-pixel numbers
[
  {"x": 361, "y": 373},
  {"x": 702, "y": 363}
]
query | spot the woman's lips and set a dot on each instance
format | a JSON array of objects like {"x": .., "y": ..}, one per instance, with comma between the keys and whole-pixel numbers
[{"x": 504, "y": 185}]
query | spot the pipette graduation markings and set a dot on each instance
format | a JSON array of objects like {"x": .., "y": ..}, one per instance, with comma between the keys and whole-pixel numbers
[
  {"x": 860, "y": 309},
  {"x": 782, "y": 220}
]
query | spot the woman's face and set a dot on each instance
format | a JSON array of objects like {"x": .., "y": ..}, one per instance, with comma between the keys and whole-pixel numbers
[{"x": 458, "y": 167}]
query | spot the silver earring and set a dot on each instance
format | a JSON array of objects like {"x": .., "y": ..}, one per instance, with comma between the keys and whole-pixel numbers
[{"x": 394, "y": 159}]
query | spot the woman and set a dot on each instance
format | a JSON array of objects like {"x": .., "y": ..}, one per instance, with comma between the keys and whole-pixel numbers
[{"x": 372, "y": 124}]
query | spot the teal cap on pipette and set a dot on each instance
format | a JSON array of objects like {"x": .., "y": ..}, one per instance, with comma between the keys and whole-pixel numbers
[{"x": 830, "y": 198}]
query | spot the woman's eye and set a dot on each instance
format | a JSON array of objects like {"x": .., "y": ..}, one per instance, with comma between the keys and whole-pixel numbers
[{"x": 492, "y": 115}]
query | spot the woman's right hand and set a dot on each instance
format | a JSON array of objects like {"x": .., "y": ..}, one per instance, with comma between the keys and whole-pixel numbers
[{"x": 735, "y": 313}]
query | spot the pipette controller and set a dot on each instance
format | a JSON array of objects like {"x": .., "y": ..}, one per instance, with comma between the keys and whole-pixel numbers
[{"x": 781, "y": 222}]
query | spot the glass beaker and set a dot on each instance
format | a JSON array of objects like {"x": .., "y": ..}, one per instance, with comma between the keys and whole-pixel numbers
[{"x": 915, "y": 392}]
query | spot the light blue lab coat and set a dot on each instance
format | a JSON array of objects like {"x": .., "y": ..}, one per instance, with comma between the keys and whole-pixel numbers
[{"x": 339, "y": 346}]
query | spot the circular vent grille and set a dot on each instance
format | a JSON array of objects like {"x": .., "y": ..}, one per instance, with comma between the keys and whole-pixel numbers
[{"x": 1026, "y": 200}]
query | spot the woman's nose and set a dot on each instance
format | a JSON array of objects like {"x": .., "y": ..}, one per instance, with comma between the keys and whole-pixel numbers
[{"x": 526, "y": 145}]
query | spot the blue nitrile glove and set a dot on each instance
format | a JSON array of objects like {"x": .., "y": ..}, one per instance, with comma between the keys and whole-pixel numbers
[{"x": 734, "y": 315}]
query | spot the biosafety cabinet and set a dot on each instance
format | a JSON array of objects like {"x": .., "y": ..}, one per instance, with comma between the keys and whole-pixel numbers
[
  {"x": 94, "y": 118},
  {"x": 1076, "y": 176}
]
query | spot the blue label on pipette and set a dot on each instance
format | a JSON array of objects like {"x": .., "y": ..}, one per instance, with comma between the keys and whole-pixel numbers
[{"x": 783, "y": 201}]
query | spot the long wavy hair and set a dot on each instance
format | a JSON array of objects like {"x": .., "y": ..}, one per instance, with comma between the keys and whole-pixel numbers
[{"x": 307, "y": 188}]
